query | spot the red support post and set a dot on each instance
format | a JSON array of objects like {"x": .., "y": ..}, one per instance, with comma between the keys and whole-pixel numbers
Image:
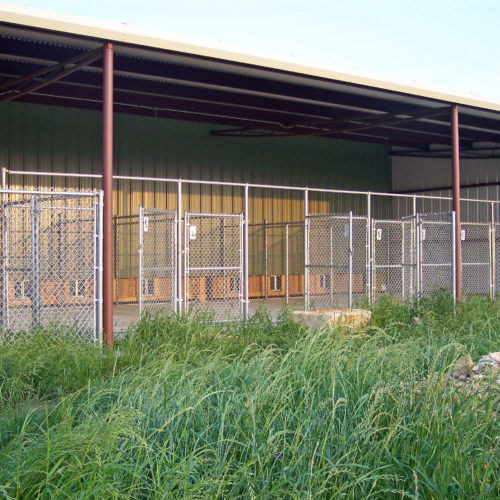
[
  {"x": 455, "y": 163},
  {"x": 107, "y": 185}
]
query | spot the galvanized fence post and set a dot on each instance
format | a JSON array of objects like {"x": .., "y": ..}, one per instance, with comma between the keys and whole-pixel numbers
[
  {"x": 493, "y": 243},
  {"x": 453, "y": 260},
  {"x": 5, "y": 289},
  {"x": 35, "y": 261},
  {"x": 179, "y": 298},
  {"x": 99, "y": 251},
  {"x": 141, "y": 256},
  {"x": 350, "y": 259},
  {"x": 186, "y": 263},
  {"x": 369, "y": 276},
  {"x": 418, "y": 251},
  {"x": 306, "y": 249},
  {"x": 266, "y": 264},
  {"x": 286, "y": 265},
  {"x": 246, "y": 257}
]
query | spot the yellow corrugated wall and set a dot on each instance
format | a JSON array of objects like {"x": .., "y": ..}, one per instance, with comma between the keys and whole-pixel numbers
[{"x": 46, "y": 138}]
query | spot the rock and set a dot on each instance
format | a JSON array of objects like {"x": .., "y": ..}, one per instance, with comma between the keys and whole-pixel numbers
[
  {"x": 348, "y": 319},
  {"x": 462, "y": 367},
  {"x": 495, "y": 357}
]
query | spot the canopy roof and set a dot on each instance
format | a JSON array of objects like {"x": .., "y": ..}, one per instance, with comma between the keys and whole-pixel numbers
[{"x": 55, "y": 59}]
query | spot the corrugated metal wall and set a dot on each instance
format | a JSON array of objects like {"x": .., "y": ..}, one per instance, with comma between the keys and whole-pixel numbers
[
  {"x": 54, "y": 139},
  {"x": 422, "y": 173}
]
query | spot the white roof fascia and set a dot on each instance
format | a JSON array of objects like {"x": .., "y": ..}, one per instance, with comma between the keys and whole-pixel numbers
[{"x": 115, "y": 32}]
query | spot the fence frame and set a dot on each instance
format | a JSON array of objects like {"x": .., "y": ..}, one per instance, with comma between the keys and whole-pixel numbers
[
  {"x": 33, "y": 198},
  {"x": 370, "y": 196}
]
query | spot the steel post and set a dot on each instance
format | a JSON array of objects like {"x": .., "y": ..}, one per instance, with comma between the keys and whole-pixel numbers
[
  {"x": 350, "y": 259},
  {"x": 418, "y": 252},
  {"x": 186, "y": 263},
  {"x": 331, "y": 264},
  {"x": 107, "y": 184},
  {"x": 4, "y": 281},
  {"x": 266, "y": 269},
  {"x": 179, "y": 248},
  {"x": 35, "y": 262},
  {"x": 306, "y": 249},
  {"x": 492, "y": 253},
  {"x": 246, "y": 256},
  {"x": 140, "y": 272},
  {"x": 455, "y": 162},
  {"x": 98, "y": 327},
  {"x": 286, "y": 265},
  {"x": 368, "y": 271},
  {"x": 454, "y": 244}
]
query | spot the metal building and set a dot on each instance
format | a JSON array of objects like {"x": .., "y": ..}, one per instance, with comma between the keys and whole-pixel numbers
[{"x": 85, "y": 106}]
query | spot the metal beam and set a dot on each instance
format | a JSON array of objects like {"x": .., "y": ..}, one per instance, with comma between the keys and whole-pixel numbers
[
  {"x": 328, "y": 127},
  {"x": 107, "y": 183},
  {"x": 14, "y": 89},
  {"x": 455, "y": 163}
]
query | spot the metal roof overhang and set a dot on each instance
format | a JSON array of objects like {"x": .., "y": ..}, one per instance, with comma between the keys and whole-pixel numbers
[{"x": 56, "y": 60}]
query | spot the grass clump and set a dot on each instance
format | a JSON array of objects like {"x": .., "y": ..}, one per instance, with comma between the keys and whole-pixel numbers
[{"x": 189, "y": 409}]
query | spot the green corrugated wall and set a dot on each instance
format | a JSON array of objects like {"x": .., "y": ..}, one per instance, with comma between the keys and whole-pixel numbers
[{"x": 46, "y": 138}]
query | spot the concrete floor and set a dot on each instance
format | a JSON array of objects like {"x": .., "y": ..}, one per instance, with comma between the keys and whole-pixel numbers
[{"x": 126, "y": 314}]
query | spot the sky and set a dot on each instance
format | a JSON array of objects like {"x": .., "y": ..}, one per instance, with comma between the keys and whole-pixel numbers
[{"x": 453, "y": 44}]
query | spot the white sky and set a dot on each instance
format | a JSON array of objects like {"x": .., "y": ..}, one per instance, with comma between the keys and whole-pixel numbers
[{"x": 447, "y": 43}]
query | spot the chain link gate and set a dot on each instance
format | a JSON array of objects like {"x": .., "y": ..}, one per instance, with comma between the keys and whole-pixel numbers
[
  {"x": 157, "y": 284},
  {"x": 414, "y": 256},
  {"x": 436, "y": 252},
  {"x": 409, "y": 271},
  {"x": 477, "y": 252},
  {"x": 213, "y": 264},
  {"x": 51, "y": 264},
  {"x": 335, "y": 260},
  {"x": 388, "y": 246}
]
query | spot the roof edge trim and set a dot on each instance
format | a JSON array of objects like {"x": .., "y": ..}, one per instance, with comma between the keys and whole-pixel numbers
[{"x": 123, "y": 33}]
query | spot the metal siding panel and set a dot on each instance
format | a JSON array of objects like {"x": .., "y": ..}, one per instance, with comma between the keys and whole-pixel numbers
[{"x": 51, "y": 138}]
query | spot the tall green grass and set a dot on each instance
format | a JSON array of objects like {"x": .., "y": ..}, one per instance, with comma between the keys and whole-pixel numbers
[{"x": 187, "y": 409}]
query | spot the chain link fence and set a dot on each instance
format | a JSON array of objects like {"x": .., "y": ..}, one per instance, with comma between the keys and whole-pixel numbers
[
  {"x": 50, "y": 263},
  {"x": 476, "y": 242},
  {"x": 277, "y": 266},
  {"x": 335, "y": 268},
  {"x": 213, "y": 265},
  {"x": 387, "y": 268},
  {"x": 157, "y": 260},
  {"x": 436, "y": 251}
]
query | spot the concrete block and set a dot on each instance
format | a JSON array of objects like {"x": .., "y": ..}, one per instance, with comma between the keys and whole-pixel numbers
[{"x": 348, "y": 319}]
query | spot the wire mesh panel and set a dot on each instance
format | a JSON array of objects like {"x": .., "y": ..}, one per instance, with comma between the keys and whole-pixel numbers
[
  {"x": 435, "y": 240},
  {"x": 336, "y": 261},
  {"x": 294, "y": 269},
  {"x": 213, "y": 264},
  {"x": 496, "y": 257},
  {"x": 409, "y": 260},
  {"x": 49, "y": 264},
  {"x": 476, "y": 257},
  {"x": 278, "y": 263},
  {"x": 157, "y": 260},
  {"x": 125, "y": 258},
  {"x": 387, "y": 248}
]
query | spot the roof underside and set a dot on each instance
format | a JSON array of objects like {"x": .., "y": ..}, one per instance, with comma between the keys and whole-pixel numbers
[{"x": 242, "y": 100}]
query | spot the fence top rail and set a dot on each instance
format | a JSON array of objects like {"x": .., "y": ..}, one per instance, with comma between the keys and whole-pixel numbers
[
  {"x": 51, "y": 194},
  {"x": 159, "y": 211},
  {"x": 199, "y": 214},
  {"x": 249, "y": 185}
]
